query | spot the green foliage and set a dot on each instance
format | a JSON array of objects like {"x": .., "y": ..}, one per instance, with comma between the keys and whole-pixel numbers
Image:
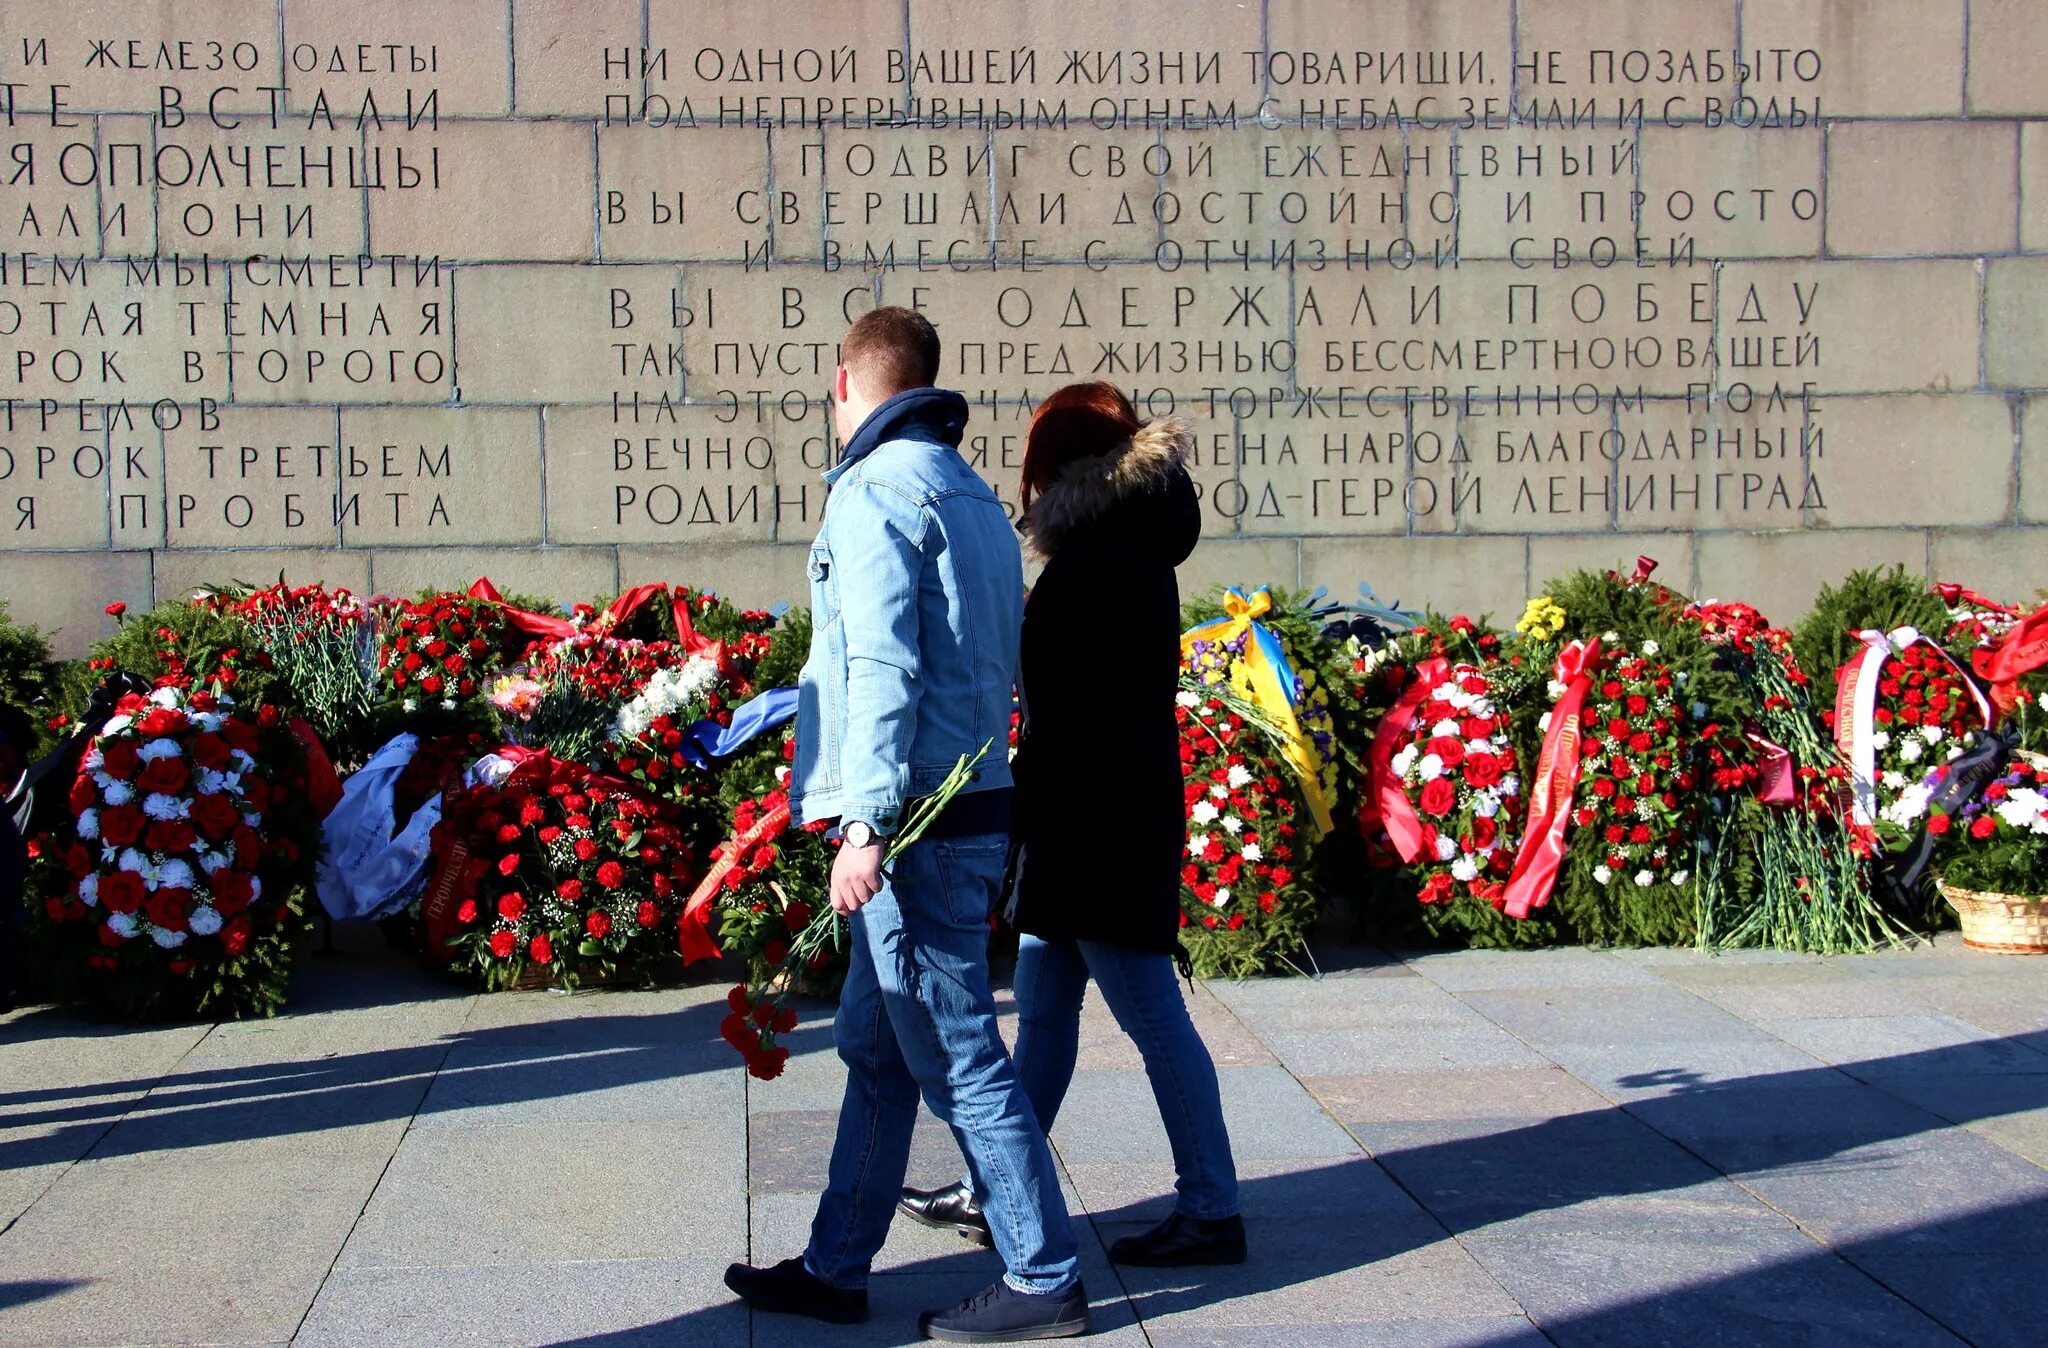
[
  {"x": 1879, "y": 597},
  {"x": 185, "y": 642},
  {"x": 30, "y": 680},
  {"x": 785, "y": 659},
  {"x": 2015, "y": 864}
]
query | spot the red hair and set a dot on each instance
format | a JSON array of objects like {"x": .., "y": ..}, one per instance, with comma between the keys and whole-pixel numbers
[{"x": 1080, "y": 421}]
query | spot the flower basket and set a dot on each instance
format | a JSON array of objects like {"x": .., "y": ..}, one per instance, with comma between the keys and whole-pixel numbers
[{"x": 2004, "y": 924}]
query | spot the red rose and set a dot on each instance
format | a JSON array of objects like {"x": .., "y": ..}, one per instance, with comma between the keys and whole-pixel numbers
[
  {"x": 209, "y": 750},
  {"x": 1437, "y": 889},
  {"x": 232, "y": 890},
  {"x": 598, "y": 923},
  {"x": 161, "y": 721},
  {"x": 1448, "y": 748},
  {"x": 611, "y": 875},
  {"x": 119, "y": 759},
  {"x": 234, "y": 937},
  {"x": 1484, "y": 770},
  {"x": 170, "y": 835},
  {"x": 122, "y": 891},
  {"x": 1484, "y": 832},
  {"x": 215, "y": 815},
  {"x": 168, "y": 908},
  {"x": 646, "y": 915},
  {"x": 167, "y": 775},
  {"x": 84, "y": 794},
  {"x": 503, "y": 943},
  {"x": 1438, "y": 796}
]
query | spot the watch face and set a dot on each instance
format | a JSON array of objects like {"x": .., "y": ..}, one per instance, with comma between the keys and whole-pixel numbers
[{"x": 858, "y": 834}]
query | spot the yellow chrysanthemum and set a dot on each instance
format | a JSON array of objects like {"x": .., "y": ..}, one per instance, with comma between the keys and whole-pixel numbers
[{"x": 1544, "y": 617}]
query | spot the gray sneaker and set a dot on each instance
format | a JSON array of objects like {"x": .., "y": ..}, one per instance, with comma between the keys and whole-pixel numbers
[{"x": 999, "y": 1313}]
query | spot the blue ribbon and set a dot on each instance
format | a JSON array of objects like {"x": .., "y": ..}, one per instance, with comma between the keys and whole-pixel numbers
[{"x": 707, "y": 739}]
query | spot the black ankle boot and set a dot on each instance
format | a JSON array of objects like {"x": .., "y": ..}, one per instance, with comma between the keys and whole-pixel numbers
[
  {"x": 1181, "y": 1242},
  {"x": 949, "y": 1209}
]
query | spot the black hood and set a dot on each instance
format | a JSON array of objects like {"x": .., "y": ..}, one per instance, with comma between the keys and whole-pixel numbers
[
  {"x": 1137, "y": 497},
  {"x": 934, "y": 415}
]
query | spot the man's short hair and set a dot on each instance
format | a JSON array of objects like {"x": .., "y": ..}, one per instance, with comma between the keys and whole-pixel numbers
[{"x": 890, "y": 349}]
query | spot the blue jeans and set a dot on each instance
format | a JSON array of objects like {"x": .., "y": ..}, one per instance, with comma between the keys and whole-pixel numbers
[
  {"x": 916, "y": 1016},
  {"x": 1052, "y": 978}
]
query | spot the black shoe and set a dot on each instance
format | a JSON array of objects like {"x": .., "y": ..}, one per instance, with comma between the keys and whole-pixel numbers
[
  {"x": 1181, "y": 1242},
  {"x": 1000, "y": 1313},
  {"x": 949, "y": 1209},
  {"x": 788, "y": 1288}
]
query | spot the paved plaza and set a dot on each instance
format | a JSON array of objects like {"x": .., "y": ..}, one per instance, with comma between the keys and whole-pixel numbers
[{"x": 1569, "y": 1147}]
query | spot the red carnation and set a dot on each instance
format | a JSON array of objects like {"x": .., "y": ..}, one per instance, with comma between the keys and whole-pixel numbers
[
  {"x": 570, "y": 891},
  {"x": 1983, "y": 827},
  {"x": 508, "y": 864},
  {"x": 611, "y": 875},
  {"x": 542, "y": 949},
  {"x": 598, "y": 923},
  {"x": 234, "y": 937},
  {"x": 511, "y": 907},
  {"x": 797, "y": 916},
  {"x": 767, "y": 1064},
  {"x": 646, "y": 915},
  {"x": 503, "y": 943},
  {"x": 466, "y": 912},
  {"x": 775, "y": 952},
  {"x": 166, "y": 775},
  {"x": 1437, "y": 889},
  {"x": 1937, "y": 824},
  {"x": 585, "y": 849}
]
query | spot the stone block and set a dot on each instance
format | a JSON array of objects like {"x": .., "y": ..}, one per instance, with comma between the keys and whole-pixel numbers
[
  {"x": 1481, "y": 30},
  {"x": 488, "y": 191},
  {"x": 1548, "y": 470},
  {"x": 2016, "y": 322},
  {"x": 696, "y": 476},
  {"x": 567, "y": 575},
  {"x": 441, "y": 475},
  {"x": 1458, "y": 574},
  {"x": 1228, "y": 29},
  {"x": 1685, "y": 464},
  {"x": 1879, "y": 58},
  {"x": 1851, "y": 313},
  {"x": 2033, "y": 187},
  {"x": 568, "y": 334},
  {"x": 1555, "y": 555},
  {"x": 670, "y": 194},
  {"x": 179, "y": 571},
  {"x": 1767, "y": 181},
  {"x": 1243, "y": 562},
  {"x": 2007, "y": 38},
  {"x": 63, "y": 200},
  {"x": 1781, "y": 573},
  {"x": 1943, "y": 188},
  {"x": 1069, "y": 194},
  {"x": 1913, "y": 459},
  {"x": 66, "y": 593},
  {"x": 77, "y": 336},
  {"x": 1563, "y": 214},
  {"x": 875, "y": 192},
  {"x": 2034, "y": 462},
  {"x": 246, "y": 31},
  {"x": 458, "y": 49},
  {"x": 1574, "y": 29},
  {"x": 558, "y": 51},
  {"x": 753, "y": 335},
  {"x": 265, "y": 477},
  {"x": 1312, "y": 475},
  {"x": 749, "y": 574},
  {"x": 339, "y": 331},
  {"x": 715, "y": 48},
  {"x": 2001, "y": 562}
]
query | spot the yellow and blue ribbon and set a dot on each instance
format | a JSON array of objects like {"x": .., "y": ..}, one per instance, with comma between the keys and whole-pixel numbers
[{"x": 1263, "y": 675}]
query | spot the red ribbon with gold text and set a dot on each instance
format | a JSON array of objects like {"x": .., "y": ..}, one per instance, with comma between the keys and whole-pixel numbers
[
  {"x": 1550, "y": 797},
  {"x": 695, "y": 931},
  {"x": 2024, "y": 650},
  {"x": 1386, "y": 797}
]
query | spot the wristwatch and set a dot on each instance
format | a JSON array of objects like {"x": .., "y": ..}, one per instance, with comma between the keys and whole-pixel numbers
[{"x": 859, "y": 833}]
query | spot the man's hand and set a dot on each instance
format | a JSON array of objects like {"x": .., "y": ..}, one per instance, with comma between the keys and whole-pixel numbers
[{"x": 856, "y": 877}]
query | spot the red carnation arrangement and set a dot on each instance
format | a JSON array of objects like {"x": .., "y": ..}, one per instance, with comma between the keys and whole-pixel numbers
[
  {"x": 1643, "y": 765},
  {"x": 1458, "y": 772},
  {"x": 441, "y": 647},
  {"x": 1243, "y": 907},
  {"x": 570, "y": 874},
  {"x": 179, "y": 898}
]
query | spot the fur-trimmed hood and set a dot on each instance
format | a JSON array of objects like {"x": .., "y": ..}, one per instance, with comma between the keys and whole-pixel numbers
[{"x": 1141, "y": 488}]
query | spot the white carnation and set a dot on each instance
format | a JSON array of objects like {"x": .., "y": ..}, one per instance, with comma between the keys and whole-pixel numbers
[
  {"x": 1555, "y": 689},
  {"x": 1893, "y": 781},
  {"x": 132, "y": 860},
  {"x": 217, "y": 861},
  {"x": 176, "y": 873},
  {"x": 1931, "y": 733},
  {"x": 169, "y": 940},
  {"x": 1511, "y": 785},
  {"x": 164, "y": 697},
  {"x": 1680, "y": 877},
  {"x": 1238, "y": 776},
  {"x": 157, "y": 805},
  {"x": 89, "y": 824},
  {"x": 1445, "y": 848},
  {"x": 1651, "y": 648},
  {"x": 1188, "y": 697},
  {"x": 1202, "y": 812},
  {"x": 1198, "y": 845},
  {"x": 1464, "y": 869},
  {"x": 1431, "y": 767},
  {"x": 1881, "y": 740},
  {"x": 1447, "y": 729},
  {"x": 121, "y": 924},
  {"x": 1645, "y": 879},
  {"x": 117, "y": 792},
  {"x": 1220, "y": 791},
  {"x": 1232, "y": 825},
  {"x": 1252, "y": 852},
  {"x": 1222, "y": 897},
  {"x": 204, "y": 921},
  {"x": 1603, "y": 875},
  {"x": 93, "y": 762},
  {"x": 89, "y": 890},
  {"x": 1486, "y": 804},
  {"x": 1543, "y": 723},
  {"x": 152, "y": 750},
  {"x": 115, "y": 725},
  {"x": 1911, "y": 751},
  {"x": 1404, "y": 762}
]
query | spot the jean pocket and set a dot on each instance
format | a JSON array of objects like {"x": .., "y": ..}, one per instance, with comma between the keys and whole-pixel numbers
[{"x": 970, "y": 871}]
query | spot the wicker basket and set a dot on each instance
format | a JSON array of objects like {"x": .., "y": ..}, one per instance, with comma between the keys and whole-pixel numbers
[{"x": 2001, "y": 923}]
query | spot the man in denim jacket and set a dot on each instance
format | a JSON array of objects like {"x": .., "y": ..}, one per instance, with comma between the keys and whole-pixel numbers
[{"x": 917, "y": 597}]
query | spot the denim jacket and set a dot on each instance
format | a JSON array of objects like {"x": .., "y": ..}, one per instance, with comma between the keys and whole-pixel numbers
[{"x": 917, "y": 596}]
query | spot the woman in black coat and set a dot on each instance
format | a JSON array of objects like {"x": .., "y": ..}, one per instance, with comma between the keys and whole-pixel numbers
[{"x": 1100, "y": 819}]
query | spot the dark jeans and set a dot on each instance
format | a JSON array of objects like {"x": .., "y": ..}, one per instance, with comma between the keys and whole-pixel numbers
[{"x": 13, "y": 875}]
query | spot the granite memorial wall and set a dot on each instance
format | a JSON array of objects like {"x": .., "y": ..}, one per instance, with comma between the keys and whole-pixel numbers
[{"x": 394, "y": 294}]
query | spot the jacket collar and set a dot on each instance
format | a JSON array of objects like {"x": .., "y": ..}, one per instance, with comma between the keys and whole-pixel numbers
[{"x": 935, "y": 416}]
